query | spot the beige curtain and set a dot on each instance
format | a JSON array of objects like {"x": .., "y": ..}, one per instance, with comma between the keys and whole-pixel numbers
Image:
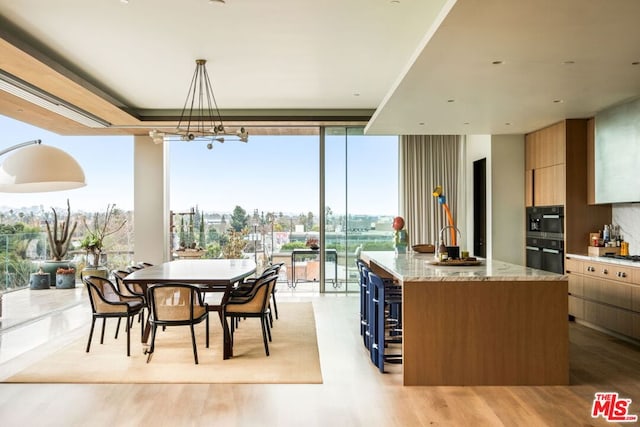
[{"x": 427, "y": 161}]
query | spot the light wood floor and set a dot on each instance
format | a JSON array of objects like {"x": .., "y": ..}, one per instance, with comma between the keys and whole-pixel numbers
[{"x": 354, "y": 393}]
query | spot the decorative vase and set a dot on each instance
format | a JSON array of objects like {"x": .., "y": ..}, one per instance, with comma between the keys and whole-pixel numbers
[
  {"x": 65, "y": 280},
  {"x": 39, "y": 280},
  {"x": 50, "y": 267},
  {"x": 95, "y": 271}
]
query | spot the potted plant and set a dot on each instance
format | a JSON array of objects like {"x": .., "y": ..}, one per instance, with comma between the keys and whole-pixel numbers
[
  {"x": 65, "y": 278},
  {"x": 59, "y": 233},
  {"x": 101, "y": 226}
]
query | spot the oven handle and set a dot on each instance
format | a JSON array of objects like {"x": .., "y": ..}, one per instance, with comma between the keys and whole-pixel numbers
[
  {"x": 551, "y": 216},
  {"x": 532, "y": 248},
  {"x": 551, "y": 251}
]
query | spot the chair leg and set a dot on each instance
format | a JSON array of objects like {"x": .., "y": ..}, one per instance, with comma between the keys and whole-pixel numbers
[
  {"x": 118, "y": 327},
  {"x": 93, "y": 322},
  {"x": 270, "y": 316},
  {"x": 128, "y": 336},
  {"x": 104, "y": 321},
  {"x": 207, "y": 329},
  {"x": 153, "y": 343},
  {"x": 264, "y": 335},
  {"x": 193, "y": 342},
  {"x": 275, "y": 306},
  {"x": 266, "y": 321},
  {"x": 142, "y": 324}
]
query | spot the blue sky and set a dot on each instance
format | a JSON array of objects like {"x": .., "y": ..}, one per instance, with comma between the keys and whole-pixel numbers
[{"x": 269, "y": 173}]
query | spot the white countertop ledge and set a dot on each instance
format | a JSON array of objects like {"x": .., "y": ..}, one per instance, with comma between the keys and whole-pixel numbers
[
  {"x": 415, "y": 267},
  {"x": 609, "y": 260}
]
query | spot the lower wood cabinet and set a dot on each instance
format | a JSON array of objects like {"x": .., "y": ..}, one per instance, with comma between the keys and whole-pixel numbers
[{"x": 606, "y": 295}]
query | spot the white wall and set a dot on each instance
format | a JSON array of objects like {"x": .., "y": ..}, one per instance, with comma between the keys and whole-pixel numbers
[
  {"x": 507, "y": 198},
  {"x": 150, "y": 202},
  {"x": 505, "y": 194}
]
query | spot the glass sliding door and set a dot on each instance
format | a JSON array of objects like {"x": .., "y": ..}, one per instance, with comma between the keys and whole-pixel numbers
[
  {"x": 361, "y": 199},
  {"x": 257, "y": 200}
]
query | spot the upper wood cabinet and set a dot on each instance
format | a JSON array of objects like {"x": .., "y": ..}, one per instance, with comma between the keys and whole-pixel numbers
[
  {"x": 546, "y": 147},
  {"x": 545, "y": 161},
  {"x": 556, "y": 174}
]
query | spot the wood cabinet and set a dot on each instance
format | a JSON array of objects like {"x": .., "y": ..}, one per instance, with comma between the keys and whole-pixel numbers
[
  {"x": 556, "y": 174},
  {"x": 544, "y": 165},
  {"x": 606, "y": 295}
]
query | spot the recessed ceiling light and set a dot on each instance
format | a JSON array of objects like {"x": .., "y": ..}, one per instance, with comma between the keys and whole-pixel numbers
[
  {"x": 421, "y": 123},
  {"x": 356, "y": 94},
  {"x": 508, "y": 124},
  {"x": 451, "y": 100},
  {"x": 395, "y": 1},
  {"x": 635, "y": 63},
  {"x": 497, "y": 62},
  {"x": 216, "y": 1},
  {"x": 558, "y": 101},
  {"x": 124, "y": 1},
  {"x": 569, "y": 62},
  {"x": 465, "y": 123}
]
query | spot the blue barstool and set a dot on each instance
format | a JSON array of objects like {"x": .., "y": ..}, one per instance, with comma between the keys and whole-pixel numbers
[
  {"x": 363, "y": 271},
  {"x": 385, "y": 311}
]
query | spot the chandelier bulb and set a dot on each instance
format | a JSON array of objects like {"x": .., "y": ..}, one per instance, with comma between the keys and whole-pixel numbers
[{"x": 209, "y": 146}]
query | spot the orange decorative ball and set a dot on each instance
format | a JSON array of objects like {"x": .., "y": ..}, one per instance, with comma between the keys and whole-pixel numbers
[{"x": 398, "y": 223}]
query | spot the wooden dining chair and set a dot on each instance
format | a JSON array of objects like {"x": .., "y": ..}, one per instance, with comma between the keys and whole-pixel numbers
[
  {"x": 130, "y": 289},
  {"x": 176, "y": 304},
  {"x": 255, "y": 304},
  {"x": 107, "y": 302}
]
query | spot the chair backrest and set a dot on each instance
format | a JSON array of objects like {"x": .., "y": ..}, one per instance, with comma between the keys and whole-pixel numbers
[
  {"x": 363, "y": 270},
  {"x": 102, "y": 294},
  {"x": 174, "y": 302},
  {"x": 130, "y": 289},
  {"x": 258, "y": 300}
]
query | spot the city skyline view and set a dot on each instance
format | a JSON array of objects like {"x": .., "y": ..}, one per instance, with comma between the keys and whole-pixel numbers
[{"x": 269, "y": 173}]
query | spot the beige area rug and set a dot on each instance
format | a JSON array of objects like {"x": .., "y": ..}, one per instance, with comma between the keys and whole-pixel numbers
[{"x": 293, "y": 356}]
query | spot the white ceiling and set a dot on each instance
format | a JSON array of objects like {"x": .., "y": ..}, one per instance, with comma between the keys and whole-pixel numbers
[{"x": 424, "y": 66}]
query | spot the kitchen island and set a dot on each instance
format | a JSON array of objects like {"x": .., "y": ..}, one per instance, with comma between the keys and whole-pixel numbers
[{"x": 492, "y": 324}]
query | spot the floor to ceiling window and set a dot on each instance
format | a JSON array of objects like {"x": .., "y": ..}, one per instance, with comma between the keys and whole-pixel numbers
[
  {"x": 361, "y": 198},
  {"x": 266, "y": 193},
  {"x": 263, "y": 193}
]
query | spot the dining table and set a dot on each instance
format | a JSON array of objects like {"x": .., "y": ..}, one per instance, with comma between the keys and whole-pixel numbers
[{"x": 211, "y": 275}]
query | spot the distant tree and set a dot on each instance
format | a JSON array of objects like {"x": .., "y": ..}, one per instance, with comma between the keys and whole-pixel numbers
[
  {"x": 182, "y": 234},
  {"x": 201, "y": 239},
  {"x": 309, "y": 222},
  {"x": 302, "y": 219},
  {"x": 239, "y": 219}
]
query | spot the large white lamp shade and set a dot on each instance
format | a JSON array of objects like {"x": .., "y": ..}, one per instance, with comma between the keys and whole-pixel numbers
[{"x": 40, "y": 168}]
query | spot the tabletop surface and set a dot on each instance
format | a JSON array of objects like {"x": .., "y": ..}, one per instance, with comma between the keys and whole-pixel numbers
[
  {"x": 420, "y": 267},
  {"x": 195, "y": 271}
]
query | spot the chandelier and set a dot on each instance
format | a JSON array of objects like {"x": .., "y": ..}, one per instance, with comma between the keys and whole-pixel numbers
[{"x": 200, "y": 119}]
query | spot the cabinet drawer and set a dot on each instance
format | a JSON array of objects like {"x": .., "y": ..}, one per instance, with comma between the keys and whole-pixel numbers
[
  {"x": 607, "y": 291},
  {"x": 573, "y": 265},
  {"x": 576, "y": 307},
  {"x": 576, "y": 285},
  {"x": 635, "y": 298},
  {"x": 611, "y": 318},
  {"x": 608, "y": 271}
]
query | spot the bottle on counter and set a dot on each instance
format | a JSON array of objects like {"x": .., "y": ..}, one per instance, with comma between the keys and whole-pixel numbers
[
  {"x": 624, "y": 248},
  {"x": 605, "y": 234},
  {"x": 442, "y": 251}
]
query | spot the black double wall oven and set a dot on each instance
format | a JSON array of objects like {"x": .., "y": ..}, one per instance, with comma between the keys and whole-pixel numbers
[{"x": 545, "y": 238}]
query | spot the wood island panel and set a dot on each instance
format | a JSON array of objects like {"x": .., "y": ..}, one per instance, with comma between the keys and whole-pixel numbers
[
  {"x": 492, "y": 324},
  {"x": 485, "y": 333}
]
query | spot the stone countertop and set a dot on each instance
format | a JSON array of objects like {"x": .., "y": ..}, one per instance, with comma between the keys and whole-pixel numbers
[
  {"x": 610, "y": 260},
  {"x": 419, "y": 267}
]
